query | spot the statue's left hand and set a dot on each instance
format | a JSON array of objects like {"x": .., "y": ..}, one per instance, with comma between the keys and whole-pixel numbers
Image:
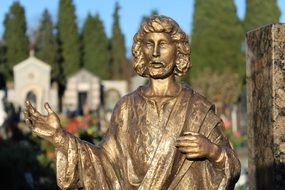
[
  {"x": 196, "y": 145},
  {"x": 44, "y": 126}
]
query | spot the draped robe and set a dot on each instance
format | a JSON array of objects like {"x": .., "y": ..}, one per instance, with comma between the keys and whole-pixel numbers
[{"x": 138, "y": 151}]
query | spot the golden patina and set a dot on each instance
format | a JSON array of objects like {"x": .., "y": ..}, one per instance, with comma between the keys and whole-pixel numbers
[{"x": 163, "y": 135}]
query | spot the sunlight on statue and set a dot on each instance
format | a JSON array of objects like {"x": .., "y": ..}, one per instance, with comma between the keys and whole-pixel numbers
[{"x": 163, "y": 135}]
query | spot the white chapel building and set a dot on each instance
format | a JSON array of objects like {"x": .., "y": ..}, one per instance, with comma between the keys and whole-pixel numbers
[{"x": 32, "y": 82}]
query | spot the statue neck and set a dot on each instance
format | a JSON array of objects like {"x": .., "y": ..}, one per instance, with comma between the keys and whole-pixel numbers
[{"x": 162, "y": 87}]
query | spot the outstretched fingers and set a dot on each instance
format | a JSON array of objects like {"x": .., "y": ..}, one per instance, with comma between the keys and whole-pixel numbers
[
  {"x": 48, "y": 108},
  {"x": 29, "y": 105},
  {"x": 32, "y": 110},
  {"x": 28, "y": 119},
  {"x": 29, "y": 123}
]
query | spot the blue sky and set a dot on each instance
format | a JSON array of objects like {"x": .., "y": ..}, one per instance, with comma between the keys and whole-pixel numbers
[{"x": 130, "y": 14}]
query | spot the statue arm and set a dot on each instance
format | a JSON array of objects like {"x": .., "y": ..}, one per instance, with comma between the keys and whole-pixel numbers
[
  {"x": 227, "y": 161},
  {"x": 91, "y": 166},
  {"x": 78, "y": 163}
]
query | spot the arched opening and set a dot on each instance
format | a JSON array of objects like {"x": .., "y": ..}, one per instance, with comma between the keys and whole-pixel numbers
[{"x": 32, "y": 98}]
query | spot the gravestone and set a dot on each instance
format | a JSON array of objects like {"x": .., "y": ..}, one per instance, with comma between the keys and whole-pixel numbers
[{"x": 265, "y": 57}]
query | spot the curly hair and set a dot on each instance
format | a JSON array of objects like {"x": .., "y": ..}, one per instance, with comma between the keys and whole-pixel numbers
[{"x": 169, "y": 26}]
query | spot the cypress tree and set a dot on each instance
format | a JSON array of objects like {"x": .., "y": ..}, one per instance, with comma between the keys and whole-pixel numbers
[
  {"x": 1, "y": 52},
  {"x": 3, "y": 68},
  {"x": 260, "y": 12},
  {"x": 46, "y": 44},
  {"x": 120, "y": 66},
  {"x": 2, "y": 56},
  {"x": 152, "y": 13},
  {"x": 68, "y": 37},
  {"x": 96, "y": 55},
  {"x": 216, "y": 38},
  {"x": 15, "y": 38}
]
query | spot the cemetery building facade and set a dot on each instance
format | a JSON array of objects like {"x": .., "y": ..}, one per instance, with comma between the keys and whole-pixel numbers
[
  {"x": 32, "y": 82},
  {"x": 84, "y": 90}
]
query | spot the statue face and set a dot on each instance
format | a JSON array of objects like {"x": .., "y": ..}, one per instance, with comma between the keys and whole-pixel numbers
[{"x": 159, "y": 51}]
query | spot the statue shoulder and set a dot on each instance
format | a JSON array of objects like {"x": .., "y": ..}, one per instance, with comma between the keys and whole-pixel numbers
[
  {"x": 198, "y": 99},
  {"x": 202, "y": 115},
  {"x": 203, "y": 99},
  {"x": 124, "y": 108},
  {"x": 127, "y": 100}
]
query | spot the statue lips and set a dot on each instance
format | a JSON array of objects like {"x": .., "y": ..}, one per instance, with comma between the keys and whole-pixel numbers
[{"x": 156, "y": 64}]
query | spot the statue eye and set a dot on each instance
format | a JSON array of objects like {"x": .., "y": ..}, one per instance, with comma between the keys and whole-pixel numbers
[
  {"x": 148, "y": 44},
  {"x": 162, "y": 44}
]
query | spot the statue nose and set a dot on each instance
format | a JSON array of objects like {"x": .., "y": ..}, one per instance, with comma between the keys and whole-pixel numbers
[{"x": 155, "y": 52}]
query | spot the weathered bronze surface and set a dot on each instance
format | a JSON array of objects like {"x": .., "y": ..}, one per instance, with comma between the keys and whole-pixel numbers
[{"x": 162, "y": 136}]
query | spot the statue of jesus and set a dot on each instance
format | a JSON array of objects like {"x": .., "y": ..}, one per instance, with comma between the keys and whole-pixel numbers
[{"x": 163, "y": 135}]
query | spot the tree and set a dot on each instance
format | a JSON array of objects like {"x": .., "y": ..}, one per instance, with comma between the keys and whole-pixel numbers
[
  {"x": 152, "y": 13},
  {"x": 2, "y": 52},
  {"x": 119, "y": 63},
  {"x": 221, "y": 89},
  {"x": 68, "y": 37},
  {"x": 3, "y": 68},
  {"x": 259, "y": 12},
  {"x": 96, "y": 54},
  {"x": 15, "y": 38},
  {"x": 46, "y": 44},
  {"x": 216, "y": 38}
]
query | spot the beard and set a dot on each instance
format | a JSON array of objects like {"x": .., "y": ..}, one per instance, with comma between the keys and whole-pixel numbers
[{"x": 159, "y": 70}]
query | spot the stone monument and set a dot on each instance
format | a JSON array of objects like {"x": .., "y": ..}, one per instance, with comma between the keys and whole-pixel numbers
[
  {"x": 265, "y": 57},
  {"x": 163, "y": 135}
]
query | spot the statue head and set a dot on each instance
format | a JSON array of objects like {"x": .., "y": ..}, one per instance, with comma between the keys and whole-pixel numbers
[{"x": 166, "y": 25}]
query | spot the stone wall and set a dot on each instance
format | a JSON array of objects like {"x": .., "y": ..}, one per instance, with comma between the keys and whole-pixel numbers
[{"x": 265, "y": 57}]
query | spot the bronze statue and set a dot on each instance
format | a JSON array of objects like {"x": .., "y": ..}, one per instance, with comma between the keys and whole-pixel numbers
[{"x": 163, "y": 135}]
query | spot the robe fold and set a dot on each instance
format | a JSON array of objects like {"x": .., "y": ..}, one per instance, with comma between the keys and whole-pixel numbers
[{"x": 138, "y": 151}]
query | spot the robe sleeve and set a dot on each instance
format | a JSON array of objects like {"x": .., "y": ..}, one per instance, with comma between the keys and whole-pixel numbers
[
  {"x": 80, "y": 164},
  {"x": 227, "y": 166}
]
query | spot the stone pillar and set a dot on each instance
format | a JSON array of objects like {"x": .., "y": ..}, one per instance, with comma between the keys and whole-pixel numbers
[{"x": 265, "y": 59}]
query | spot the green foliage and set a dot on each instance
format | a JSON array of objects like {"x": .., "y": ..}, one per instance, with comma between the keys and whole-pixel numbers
[
  {"x": 120, "y": 65},
  {"x": 2, "y": 53},
  {"x": 222, "y": 88},
  {"x": 46, "y": 44},
  {"x": 3, "y": 67},
  {"x": 68, "y": 37},
  {"x": 260, "y": 12},
  {"x": 216, "y": 38},
  {"x": 96, "y": 54},
  {"x": 15, "y": 38}
]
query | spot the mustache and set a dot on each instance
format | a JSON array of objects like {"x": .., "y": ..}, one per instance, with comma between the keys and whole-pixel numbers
[{"x": 157, "y": 62}]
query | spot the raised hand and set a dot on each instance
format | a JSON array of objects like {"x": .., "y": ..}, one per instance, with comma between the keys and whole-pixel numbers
[
  {"x": 195, "y": 145},
  {"x": 44, "y": 126}
]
